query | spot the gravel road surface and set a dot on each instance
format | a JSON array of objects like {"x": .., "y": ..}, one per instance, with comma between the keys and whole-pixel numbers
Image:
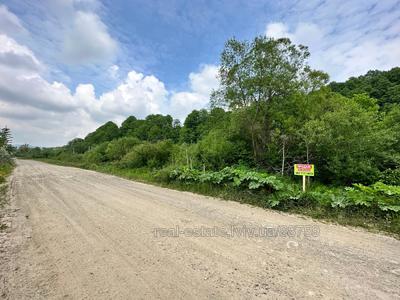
[{"x": 78, "y": 234}]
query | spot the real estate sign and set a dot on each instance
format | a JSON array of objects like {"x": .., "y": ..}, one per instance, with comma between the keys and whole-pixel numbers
[{"x": 304, "y": 169}]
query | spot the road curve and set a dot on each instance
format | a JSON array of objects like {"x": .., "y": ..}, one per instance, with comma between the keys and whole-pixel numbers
[{"x": 78, "y": 234}]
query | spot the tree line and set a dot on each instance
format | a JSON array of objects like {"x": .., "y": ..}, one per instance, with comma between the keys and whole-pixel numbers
[{"x": 272, "y": 110}]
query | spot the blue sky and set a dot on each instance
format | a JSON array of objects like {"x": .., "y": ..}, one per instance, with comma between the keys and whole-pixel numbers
[{"x": 67, "y": 66}]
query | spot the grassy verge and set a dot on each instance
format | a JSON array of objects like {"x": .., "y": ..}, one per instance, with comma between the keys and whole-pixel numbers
[
  {"x": 388, "y": 223},
  {"x": 5, "y": 171}
]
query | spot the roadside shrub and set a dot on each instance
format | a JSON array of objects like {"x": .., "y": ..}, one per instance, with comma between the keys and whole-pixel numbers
[
  {"x": 237, "y": 177},
  {"x": 5, "y": 170},
  {"x": 284, "y": 198},
  {"x": 390, "y": 176},
  {"x": 185, "y": 155},
  {"x": 215, "y": 150},
  {"x": 153, "y": 155},
  {"x": 386, "y": 197},
  {"x": 376, "y": 198},
  {"x": 116, "y": 149},
  {"x": 163, "y": 175},
  {"x": 5, "y": 157},
  {"x": 6, "y": 164},
  {"x": 69, "y": 157},
  {"x": 96, "y": 155},
  {"x": 134, "y": 158}
]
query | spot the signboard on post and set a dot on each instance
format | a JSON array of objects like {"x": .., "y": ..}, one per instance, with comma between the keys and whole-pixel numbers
[{"x": 304, "y": 170}]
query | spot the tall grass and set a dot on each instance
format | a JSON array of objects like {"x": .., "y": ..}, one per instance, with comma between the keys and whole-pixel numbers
[{"x": 5, "y": 171}]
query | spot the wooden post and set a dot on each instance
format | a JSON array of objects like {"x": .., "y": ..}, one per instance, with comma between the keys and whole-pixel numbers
[
  {"x": 283, "y": 158},
  {"x": 304, "y": 183}
]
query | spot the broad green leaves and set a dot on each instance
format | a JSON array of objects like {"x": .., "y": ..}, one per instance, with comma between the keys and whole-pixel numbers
[
  {"x": 241, "y": 178},
  {"x": 378, "y": 196},
  {"x": 386, "y": 197}
]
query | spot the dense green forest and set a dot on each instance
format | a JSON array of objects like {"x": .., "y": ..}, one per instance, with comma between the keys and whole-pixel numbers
[
  {"x": 271, "y": 111},
  {"x": 381, "y": 85}
]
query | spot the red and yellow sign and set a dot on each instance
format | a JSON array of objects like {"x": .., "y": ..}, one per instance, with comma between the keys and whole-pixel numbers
[{"x": 304, "y": 169}]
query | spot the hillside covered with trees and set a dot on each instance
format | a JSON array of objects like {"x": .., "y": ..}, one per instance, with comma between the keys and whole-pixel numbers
[
  {"x": 270, "y": 112},
  {"x": 381, "y": 85}
]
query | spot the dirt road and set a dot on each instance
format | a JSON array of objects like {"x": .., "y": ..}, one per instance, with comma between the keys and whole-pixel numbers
[{"x": 77, "y": 234}]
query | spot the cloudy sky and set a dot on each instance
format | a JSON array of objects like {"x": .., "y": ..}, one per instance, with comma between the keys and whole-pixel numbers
[{"x": 67, "y": 66}]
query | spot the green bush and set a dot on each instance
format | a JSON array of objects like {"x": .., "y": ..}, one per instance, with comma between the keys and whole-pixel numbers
[
  {"x": 134, "y": 158},
  {"x": 378, "y": 197},
  {"x": 68, "y": 156},
  {"x": 237, "y": 177},
  {"x": 215, "y": 150},
  {"x": 5, "y": 157},
  {"x": 153, "y": 155},
  {"x": 391, "y": 176},
  {"x": 163, "y": 175},
  {"x": 96, "y": 155},
  {"x": 5, "y": 170},
  {"x": 185, "y": 155},
  {"x": 385, "y": 197},
  {"x": 116, "y": 149}
]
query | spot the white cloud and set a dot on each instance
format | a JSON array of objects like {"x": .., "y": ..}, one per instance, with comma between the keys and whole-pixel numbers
[
  {"x": 16, "y": 57},
  {"x": 44, "y": 127},
  {"x": 305, "y": 33},
  {"x": 88, "y": 41},
  {"x": 44, "y": 113},
  {"x": 47, "y": 113},
  {"x": 204, "y": 81},
  {"x": 346, "y": 38},
  {"x": 34, "y": 91},
  {"x": 10, "y": 23},
  {"x": 201, "y": 85},
  {"x": 67, "y": 32},
  {"x": 277, "y": 30},
  {"x": 138, "y": 95},
  {"x": 21, "y": 83},
  {"x": 113, "y": 71},
  {"x": 39, "y": 112}
]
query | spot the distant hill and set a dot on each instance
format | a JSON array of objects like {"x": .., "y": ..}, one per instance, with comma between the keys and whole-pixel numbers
[{"x": 381, "y": 85}]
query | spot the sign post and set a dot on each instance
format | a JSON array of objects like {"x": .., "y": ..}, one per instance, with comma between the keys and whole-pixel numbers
[{"x": 304, "y": 170}]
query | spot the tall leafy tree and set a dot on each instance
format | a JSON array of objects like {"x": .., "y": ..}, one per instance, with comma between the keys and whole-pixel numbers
[
  {"x": 254, "y": 75},
  {"x": 104, "y": 133},
  {"x": 349, "y": 143},
  {"x": 159, "y": 127},
  {"x": 128, "y": 126},
  {"x": 155, "y": 127},
  {"x": 77, "y": 145},
  {"x": 194, "y": 126},
  {"x": 392, "y": 124}
]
